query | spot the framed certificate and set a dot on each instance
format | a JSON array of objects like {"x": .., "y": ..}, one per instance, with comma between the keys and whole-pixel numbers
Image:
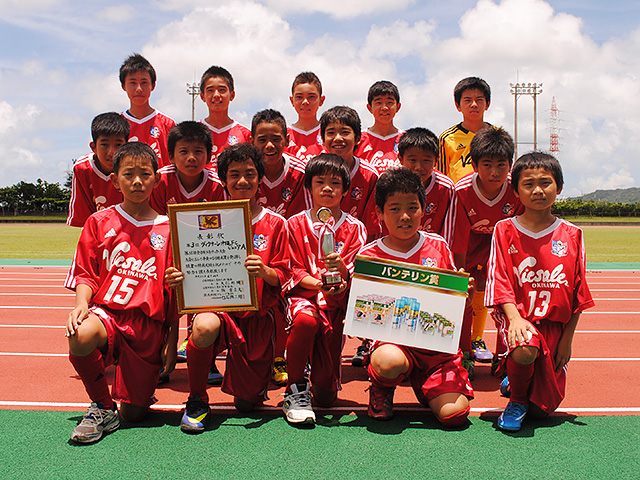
[
  {"x": 210, "y": 241},
  {"x": 406, "y": 304}
]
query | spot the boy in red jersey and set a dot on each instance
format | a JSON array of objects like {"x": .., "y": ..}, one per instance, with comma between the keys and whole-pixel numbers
[
  {"x": 148, "y": 125},
  {"x": 305, "y": 141},
  {"x": 438, "y": 379},
  {"x": 379, "y": 143},
  {"x": 480, "y": 200},
  {"x": 341, "y": 130},
  {"x": 217, "y": 92},
  {"x": 315, "y": 310},
  {"x": 124, "y": 315},
  {"x": 92, "y": 188},
  {"x": 472, "y": 97},
  {"x": 246, "y": 335},
  {"x": 537, "y": 286}
]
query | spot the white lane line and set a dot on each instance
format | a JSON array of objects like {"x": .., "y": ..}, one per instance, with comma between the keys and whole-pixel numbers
[
  {"x": 21, "y": 294},
  {"x": 22, "y": 354},
  {"x": 27, "y": 307},
  {"x": 29, "y": 286}
]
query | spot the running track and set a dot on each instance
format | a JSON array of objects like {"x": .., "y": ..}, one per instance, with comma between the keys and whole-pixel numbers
[{"x": 603, "y": 378}]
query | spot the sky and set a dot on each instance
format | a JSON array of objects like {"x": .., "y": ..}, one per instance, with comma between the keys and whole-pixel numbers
[{"x": 60, "y": 61}]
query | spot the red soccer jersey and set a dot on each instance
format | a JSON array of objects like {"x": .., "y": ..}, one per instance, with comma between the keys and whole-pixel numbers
[
  {"x": 350, "y": 236},
  {"x": 470, "y": 221},
  {"x": 543, "y": 274},
  {"x": 380, "y": 152},
  {"x": 152, "y": 130},
  {"x": 304, "y": 145},
  {"x": 359, "y": 202},
  {"x": 224, "y": 137},
  {"x": 286, "y": 195},
  {"x": 91, "y": 190},
  {"x": 123, "y": 261},
  {"x": 171, "y": 191}
]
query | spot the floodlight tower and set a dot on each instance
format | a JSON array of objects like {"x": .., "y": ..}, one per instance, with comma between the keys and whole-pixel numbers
[
  {"x": 193, "y": 89},
  {"x": 533, "y": 90},
  {"x": 554, "y": 145}
]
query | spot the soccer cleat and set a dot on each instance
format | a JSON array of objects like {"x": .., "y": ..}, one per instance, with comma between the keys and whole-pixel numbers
[
  {"x": 195, "y": 416},
  {"x": 214, "y": 377},
  {"x": 480, "y": 351},
  {"x": 182, "y": 352},
  {"x": 380, "y": 402},
  {"x": 279, "y": 373},
  {"x": 505, "y": 388},
  {"x": 361, "y": 358},
  {"x": 97, "y": 422},
  {"x": 512, "y": 417},
  {"x": 468, "y": 365},
  {"x": 297, "y": 405}
]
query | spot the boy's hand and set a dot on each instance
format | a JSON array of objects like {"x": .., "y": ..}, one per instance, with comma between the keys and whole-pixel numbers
[
  {"x": 563, "y": 353},
  {"x": 520, "y": 332},
  {"x": 75, "y": 319},
  {"x": 334, "y": 262},
  {"x": 471, "y": 288},
  {"x": 169, "y": 357},
  {"x": 173, "y": 277},
  {"x": 334, "y": 290},
  {"x": 255, "y": 266}
]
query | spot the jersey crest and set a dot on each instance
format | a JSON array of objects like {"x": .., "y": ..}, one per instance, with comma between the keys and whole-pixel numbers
[
  {"x": 508, "y": 209},
  {"x": 356, "y": 193},
  {"x": 233, "y": 139},
  {"x": 157, "y": 241},
  {"x": 260, "y": 242},
  {"x": 154, "y": 132},
  {"x": 286, "y": 194},
  {"x": 559, "y": 249},
  {"x": 430, "y": 208},
  {"x": 429, "y": 262}
]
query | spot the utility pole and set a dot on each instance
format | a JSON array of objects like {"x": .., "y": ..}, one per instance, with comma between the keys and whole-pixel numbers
[
  {"x": 193, "y": 89},
  {"x": 554, "y": 144},
  {"x": 533, "y": 90}
]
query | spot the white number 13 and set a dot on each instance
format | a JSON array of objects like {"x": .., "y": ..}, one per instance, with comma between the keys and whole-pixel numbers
[{"x": 545, "y": 298}]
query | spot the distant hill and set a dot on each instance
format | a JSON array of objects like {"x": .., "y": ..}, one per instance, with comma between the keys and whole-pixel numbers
[{"x": 620, "y": 195}]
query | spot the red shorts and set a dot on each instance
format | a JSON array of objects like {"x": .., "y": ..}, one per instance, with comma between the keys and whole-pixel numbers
[
  {"x": 134, "y": 347},
  {"x": 250, "y": 344},
  {"x": 547, "y": 386},
  {"x": 434, "y": 373}
]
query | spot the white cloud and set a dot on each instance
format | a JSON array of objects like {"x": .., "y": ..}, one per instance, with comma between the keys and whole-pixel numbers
[
  {"x": 21, "y": 6},
  {"x": 116, "y": 13}
]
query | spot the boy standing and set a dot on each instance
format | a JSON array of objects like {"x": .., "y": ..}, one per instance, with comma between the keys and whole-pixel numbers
[
  {"x": 316, "y": 309},
  {"x": 480, "y": 200},
  {"x": 438, "y": 379},
  {"x": 537, "y": 286},
  {"x": 246, "y": 335},
  {"x": 92, "y": 188},
  {"x": 217, "y": 92},
  {"x": 138, "y": 80},
  {"x": 379, "y": 143},
  {"x": 123, "y": 313},
  {"x": 305, "y": 141},
  {"x": 472, "y": 97}
]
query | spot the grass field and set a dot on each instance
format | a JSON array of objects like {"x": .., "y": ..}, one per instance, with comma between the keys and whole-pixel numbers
[{"x": 58, "y": 241}]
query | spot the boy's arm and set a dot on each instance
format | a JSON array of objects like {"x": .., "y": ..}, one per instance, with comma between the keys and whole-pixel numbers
[
  {"x": 563, "y": 351},
  {"x": 170, "y": 350},
  {"x": 81, "y": 203},
  {"x": 81, "y": 310}
]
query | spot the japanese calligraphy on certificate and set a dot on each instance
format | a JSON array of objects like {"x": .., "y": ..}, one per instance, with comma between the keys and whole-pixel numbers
[
  {"x": 406, "y": 304},
  {"x": 210, "y": 242}
]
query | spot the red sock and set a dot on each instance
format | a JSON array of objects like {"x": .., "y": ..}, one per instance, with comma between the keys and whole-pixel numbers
[
  {"x": 299, "y": 345},
  {"x": 198, "y": 363},
  {"x": 465, "y": 333},
  {"x": 520, "y": 377},
  {"x": 380, "y": 381},
  {"x": 91, "y": 371}
]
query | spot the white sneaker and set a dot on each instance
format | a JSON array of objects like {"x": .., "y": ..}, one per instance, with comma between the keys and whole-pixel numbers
[
  {"x": 95, "y": 423},
  {"x": 297, "y": 405}
]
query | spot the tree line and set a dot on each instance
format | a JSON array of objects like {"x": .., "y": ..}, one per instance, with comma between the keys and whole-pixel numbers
[{"x": 40, "y": 198}]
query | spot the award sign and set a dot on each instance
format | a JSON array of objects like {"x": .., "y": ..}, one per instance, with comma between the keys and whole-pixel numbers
[
  {"x": 210, "y": 242},
  {"x": 406, "y": 304},
  {"x": 327, "y": 245}
]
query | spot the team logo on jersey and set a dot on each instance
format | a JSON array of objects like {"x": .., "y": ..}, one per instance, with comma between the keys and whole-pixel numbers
[
  {"x": 429, "y": 262},
  {"x": 512, "y": 249},
  {"x": 472, "y": 212},
  {"x": 395, "y": 147},
  {"x": 110, "y": 233},
  {"x": 232, "y": 140},
  {"x": 154, "y": 132},
  {"x": 508, "y": 209},
  {"x": 460, "y": 146},
  {"x": 430, "y": 208},
  {"x": 260, "y": 242},
  {"x": 559, "y": 249},
  {"x": 526, "y": 273},
  {"x": 286, "y": 194},
  {"x": 172, "y": 201},
  {"x": 157, "y": 241},
  {"x": 339, "y": 247},
  {"x": 356, "y": 193},
  {"x": 319, "y": 139}
]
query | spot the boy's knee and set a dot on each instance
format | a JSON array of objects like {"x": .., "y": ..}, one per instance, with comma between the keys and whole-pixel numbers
[
  {"x": 132, "y": 413},
  {"x": 525, "y": 354},
  {"x": 455, "y": 419},
  {"x": 389, "y": 361},
  {"x": 205, "y": 329}
]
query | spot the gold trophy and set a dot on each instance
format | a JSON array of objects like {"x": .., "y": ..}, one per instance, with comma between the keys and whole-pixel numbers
[{"x": 330, "y": 278}]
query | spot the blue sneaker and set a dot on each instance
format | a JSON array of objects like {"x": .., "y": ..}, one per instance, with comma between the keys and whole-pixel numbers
[
  {"x": 182, "y": 352},
  {"x": 505, "y": 387},
  {"x": 512, "y": 417},
  {"x": 215, "y": 377},
  {"x": 195, "y": 416}
]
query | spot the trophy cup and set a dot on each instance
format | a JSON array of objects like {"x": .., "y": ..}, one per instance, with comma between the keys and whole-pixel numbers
[{"x": 327, "y": 244}]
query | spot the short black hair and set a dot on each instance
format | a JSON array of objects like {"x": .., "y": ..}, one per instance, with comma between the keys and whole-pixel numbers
[
  {"x": 418, "y": 137},
  {"x": 137, "y": 63},
  {"x": 136, "y": 150},
  {"x": 239, "y": 152},
  {"x": 344, "y": 116},
  {"x": 216, "y": 71},
  {"x": 110, "y": 123},
  {"x": 268, "y": 116},
  {"x": 327, "y": 164},
  {"x": 399, "y": 180},
  {"x": 534, "y": 160},
  {"x": 383, "y": 87},
  {"x": 471, "y": 83},
  {"x": 307, "y": 77},
  {"x": 491, "y": 142},
  {"x": 191, "y": 132}
]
